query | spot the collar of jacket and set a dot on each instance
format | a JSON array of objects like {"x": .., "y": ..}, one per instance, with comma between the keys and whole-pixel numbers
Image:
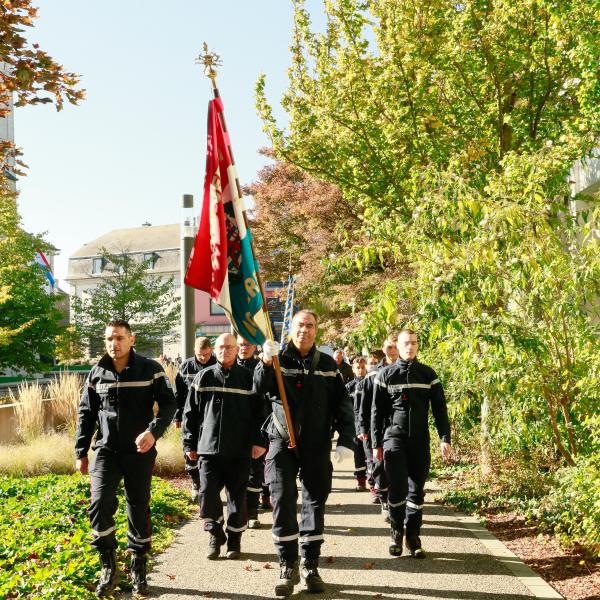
[
  {"x": 405, "y": 364},
  {"x": 106, "y": 362},
  {"x": 293, "y": 352},
  {"x": 225, "y": 372}
]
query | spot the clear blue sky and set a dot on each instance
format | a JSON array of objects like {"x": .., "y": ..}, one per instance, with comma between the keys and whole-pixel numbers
[{"x": 138, "y": 141}]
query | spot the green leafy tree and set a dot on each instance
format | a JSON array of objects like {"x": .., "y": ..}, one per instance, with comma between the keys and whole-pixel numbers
[
  {"x": 28, "y": 317},
  {"x": 69, "y": 345},
  {"x": 128, "y": 292},
  {"x": 451, "y": 130}
]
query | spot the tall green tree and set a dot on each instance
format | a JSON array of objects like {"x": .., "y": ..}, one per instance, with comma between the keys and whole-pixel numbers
[
  {"x": 28, "y": 317},
  {"x": 451, "y": 128},
  {"x": 128, "y": 291}
]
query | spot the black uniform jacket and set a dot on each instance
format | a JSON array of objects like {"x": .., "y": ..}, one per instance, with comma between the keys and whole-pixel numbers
[
  {"x": 121, "y": 404},
  {"x": 185, "y": 375},
  {"x": 249, "y": 363},
  {"x": 222, "y": 414},
  {"x": 365, "y": 400},
  {"x": 402, "y": 395},
  {"x": 346, "y": 371},
  {"x": 318, "y": 402},
  {"x": 353, "y": 387}
]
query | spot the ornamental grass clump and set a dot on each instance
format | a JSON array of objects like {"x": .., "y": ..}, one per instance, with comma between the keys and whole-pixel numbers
[
  {"x": 47, "y": 453},
  {"x": 170, "y": 453},
  {"x": 29, "y": 410},
  {"x": 65, "y": 393}
]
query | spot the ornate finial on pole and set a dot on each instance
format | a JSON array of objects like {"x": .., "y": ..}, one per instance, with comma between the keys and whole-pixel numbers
[{"x": 210, "y": 60}]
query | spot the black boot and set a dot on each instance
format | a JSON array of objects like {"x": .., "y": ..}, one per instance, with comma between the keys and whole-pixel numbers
[
  {"x": 139, "y": 587},
  {"x": 310, "y": 575},
  {"x": 108, "y": 574},
  {"x": 289, "y": 576},
  {"x": 413, "y": 545},
  {"x": 195, "y": 491},
  {"x": 234, "y": 541},
  {"x": 395, "y": 547},
  {"x": 216, "y": 539}
]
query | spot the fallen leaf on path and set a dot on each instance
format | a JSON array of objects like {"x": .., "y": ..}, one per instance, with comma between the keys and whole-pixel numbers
[
  {"x": 267, "y": 566},
  {"x": 171, "y": 577},
  {"x": 377, "y": 595},
  {"x": 368, "y": 565},
  {"x": 330, "y": 559}
]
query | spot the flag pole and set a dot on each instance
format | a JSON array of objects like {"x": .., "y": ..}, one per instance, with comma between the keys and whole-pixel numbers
[{"x": 211, "y": 60}]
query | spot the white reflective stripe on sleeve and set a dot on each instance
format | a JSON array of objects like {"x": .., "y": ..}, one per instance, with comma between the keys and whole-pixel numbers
[
  {"x": 102, "y": 387},
  {"x": 413, "y": 505},
  {"x": 159, "y": 374},
  {"x": 434, "y": 382},
  {"x": 252, "y": 489},
  {"x": 285, "y": 538},
  {"x": 292, "y": 371},
  {"x": 394, "y": 504},
  {"x": 236, "y": 529},
  {"x": 311, "y": 538},
  {"x": 139, "y": 540},
  {"x": 327, "y": 373},
  {"x": 213, "y": 388},
  {"x": 360, "y": 469},
  {"x": 103, "y": 533},
  {"x": 379, "y": 382}
]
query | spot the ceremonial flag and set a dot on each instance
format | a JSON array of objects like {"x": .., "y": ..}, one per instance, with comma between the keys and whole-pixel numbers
[
  {"x": 286, "y": 329},
  {"x": 222, "y": 262},
  {"x": 40, "y": 259}
]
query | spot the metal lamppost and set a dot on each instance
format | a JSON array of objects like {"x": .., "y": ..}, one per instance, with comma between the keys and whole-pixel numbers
[{"x": 188, "y": 320}]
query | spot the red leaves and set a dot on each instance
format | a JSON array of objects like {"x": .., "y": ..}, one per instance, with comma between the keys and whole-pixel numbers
[
  {"x": 171, "y": 577},
  {"x": 330, "y": 559},
  {"x": 368, "y": 565},
  {"x": 267, "y": 566}
]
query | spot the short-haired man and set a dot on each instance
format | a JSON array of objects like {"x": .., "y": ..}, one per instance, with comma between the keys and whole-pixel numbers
[
  {"x": 203, "y": 358},
  {"x": 377, "y": 479},
  {"x": 343, "y": 366},
  {"x": 318, "y": 403},
  {"x": 221, "y": 424},
  {"x": 359, "y": 368},
  {"x": 400, "y": 436},
  {"x": 119, "y": 397}
]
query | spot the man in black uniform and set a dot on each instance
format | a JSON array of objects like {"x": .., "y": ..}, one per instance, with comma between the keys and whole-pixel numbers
[
  {"x": 379, "y": 487},
  {"x": 400, "y": 437},
  {"x": 247, "y": 358},
  {"x": 318, "y": 404},
  {"x": 221, "y": 425},
  {"x": 119, "y": 397},
  {"x": 203, "y": 357},
  {"x": 343, "y": 366},
  {"x": 359, "y": 368}
]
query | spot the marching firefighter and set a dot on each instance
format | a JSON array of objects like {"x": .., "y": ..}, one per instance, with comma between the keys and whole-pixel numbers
[
  {"x": 119, "y": 397},
  {"x": 403, "y": 394},
  {"x": 359, "y": 368},
  {"x": 318, "y": 403}
]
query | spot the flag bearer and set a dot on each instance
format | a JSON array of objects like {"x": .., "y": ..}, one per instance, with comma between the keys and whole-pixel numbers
[
  {"x": 318, "y": 403},
  {"x": 221, "y": 425},
  {"x": 203, "y": 357},
  {"x": 359, "y": 368},
  {"x": 119, "y": 397},
  {"x": 400, "y": 436}
]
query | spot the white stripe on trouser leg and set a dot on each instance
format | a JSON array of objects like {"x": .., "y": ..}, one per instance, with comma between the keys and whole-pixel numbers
[
  {"x": 285, "y": 538},
  {"x": 361, "y": 469},
  {"x": 139, "y": 540},
  {"x": 209, "y": 520},
  {"x": 311, "y": 538},
  {"x": 236, "y": 529},
  {"x": 103, "y": 533},
  {"x": 252, "y": 489},
  {"x": 413, "y": 505},
  {"x": 395, "y": 504}
]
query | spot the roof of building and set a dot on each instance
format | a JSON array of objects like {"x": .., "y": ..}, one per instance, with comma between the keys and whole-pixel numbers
[{"x": 136, "y": 239}]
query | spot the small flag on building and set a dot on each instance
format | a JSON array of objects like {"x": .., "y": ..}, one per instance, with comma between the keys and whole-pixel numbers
[
  {"x": 286, "y": 330},
  {"x": 222, "y": 262},
  {"x": 40, "y": 259}
]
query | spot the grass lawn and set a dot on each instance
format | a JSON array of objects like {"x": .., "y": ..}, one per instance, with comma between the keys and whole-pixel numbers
[{"x": 45, "y": 534}]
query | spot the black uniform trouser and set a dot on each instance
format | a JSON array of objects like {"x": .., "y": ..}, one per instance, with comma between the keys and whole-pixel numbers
[
  {"x": 230, "y": 472},
  {"x": 255, "y": 484},
  {"x": 107, "y": 468},
  {"x": 407, "y": 467},
  {"x": 192, "y": 469},
  {"x": 380, "y": 479},
  {"x": 360, "y": 459},
  {"x": 282, "y": 466}
]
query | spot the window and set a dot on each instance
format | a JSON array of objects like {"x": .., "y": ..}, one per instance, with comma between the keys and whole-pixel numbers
[
  {"x": 215, "y": 309},
  {"x": 150, "y": 260},
  {"x": 97, "y": 265}
]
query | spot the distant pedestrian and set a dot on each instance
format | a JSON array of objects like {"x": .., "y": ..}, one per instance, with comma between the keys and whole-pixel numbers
[
  {"x": 359, "y": 368},
  {"x": 403, "y": 394},
  {"x": 118, "y": 399},
  {"x": 203, "y": 358}
]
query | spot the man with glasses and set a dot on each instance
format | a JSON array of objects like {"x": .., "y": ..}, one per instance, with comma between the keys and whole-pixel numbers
[
  {"x": 221, "y": 426},
  {"x": 203, "y": 357}
]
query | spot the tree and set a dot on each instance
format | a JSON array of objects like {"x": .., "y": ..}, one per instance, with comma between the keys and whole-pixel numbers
[
  {"x": 128, "y": 292},
  {"x": 69, "y": 346},
  {"x": 30, "y": 74},
  {"x": 28, "y": 317},
  {"x": 451, "y": 129}
]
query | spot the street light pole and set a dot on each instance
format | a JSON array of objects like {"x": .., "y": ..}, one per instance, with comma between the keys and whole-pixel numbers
[{"x": 188, "y": 320}]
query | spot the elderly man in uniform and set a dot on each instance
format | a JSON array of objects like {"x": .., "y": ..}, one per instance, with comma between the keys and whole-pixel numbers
[
  {"x": 221, "y": 425},
  {"x": 203, "y": 357},
  {"x": 318, "y": 403},
  {"x": 403, "y": 394},
  {"x": 119, "y": 397}
]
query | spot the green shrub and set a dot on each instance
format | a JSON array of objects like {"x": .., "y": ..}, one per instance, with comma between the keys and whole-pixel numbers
[{"x": 45, "y": 533}]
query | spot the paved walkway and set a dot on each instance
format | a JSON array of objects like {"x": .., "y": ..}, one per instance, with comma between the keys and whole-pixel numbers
[{"x": 464, "y": 560}]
